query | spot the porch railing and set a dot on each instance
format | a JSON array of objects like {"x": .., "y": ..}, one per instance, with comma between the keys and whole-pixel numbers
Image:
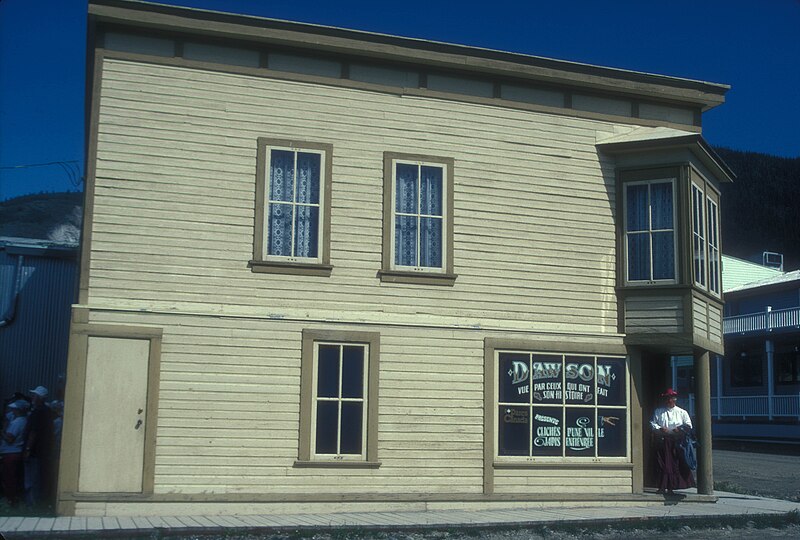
[
  {"x": 765, "y": 321},
  {"x": 782, "y": 406}
]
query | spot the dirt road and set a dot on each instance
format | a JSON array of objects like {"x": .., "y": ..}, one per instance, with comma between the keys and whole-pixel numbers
[{"x": 758, "y": 473}]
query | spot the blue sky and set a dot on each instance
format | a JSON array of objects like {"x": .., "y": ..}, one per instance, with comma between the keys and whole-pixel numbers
[{"x": 750, "y": 45}]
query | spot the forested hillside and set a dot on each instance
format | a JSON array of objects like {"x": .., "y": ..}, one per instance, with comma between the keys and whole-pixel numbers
[
  {"x": 761, "y": 209},
  {"x": 46, "y": 216}
]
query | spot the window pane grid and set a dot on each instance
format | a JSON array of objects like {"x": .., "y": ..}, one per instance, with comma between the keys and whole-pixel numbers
[
  {"x": 546, "y": 421},
  {"x": 339, "y": 402},
  {"x": 419, "y": 215},
  {"x": 650, "y": 231},
  {"x": 699, "y": 237},
  {"x": 293, "y": 204},
  {"x": 713, "y": 246}
]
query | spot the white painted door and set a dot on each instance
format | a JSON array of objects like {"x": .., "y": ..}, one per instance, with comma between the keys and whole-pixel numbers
[{"x": 114, "y": 413}]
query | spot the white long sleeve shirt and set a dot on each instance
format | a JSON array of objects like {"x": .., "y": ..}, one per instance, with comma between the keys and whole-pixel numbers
[{"x": 670, "y": 418}]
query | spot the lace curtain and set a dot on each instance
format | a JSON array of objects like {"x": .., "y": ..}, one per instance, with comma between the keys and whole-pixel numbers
[
  {"x": 294, "y": 190},
  {"x": 650, "y": 231},
  {"x": 418, "y": 216}
]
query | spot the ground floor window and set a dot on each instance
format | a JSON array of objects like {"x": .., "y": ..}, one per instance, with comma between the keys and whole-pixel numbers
[
  {"x": 747, "y": 369},
  {"x": 561, "y": 405},
  {"x": 339, "y": 397},
  {"x": 787, "y": 360}
]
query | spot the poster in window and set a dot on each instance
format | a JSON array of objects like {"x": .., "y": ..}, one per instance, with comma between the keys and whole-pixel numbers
[
  {"x": 611, "y": 432},
  {"x": 515, "y": 384},
  {"x": 546, "y": 375},
  {"x": 579, "y": 437},
  {"x": 579, "y": 380},
  {"x": 513, "y": 430},
  {"x": 548, "y": 430},
  {"x": 611, "y": 381}
]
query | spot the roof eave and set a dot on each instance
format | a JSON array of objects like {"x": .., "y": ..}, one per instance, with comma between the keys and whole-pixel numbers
[
  {"x": 693, "y": 142},
  {"x": 153, "y": 16}
]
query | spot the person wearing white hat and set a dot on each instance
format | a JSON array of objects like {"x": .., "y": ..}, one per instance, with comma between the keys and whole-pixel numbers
[
  {"x": 38, "y": 447},
  {"x": 12, "y": 441}
]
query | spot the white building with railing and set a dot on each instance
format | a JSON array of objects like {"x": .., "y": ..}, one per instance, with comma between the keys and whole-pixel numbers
[{"x": 756, "y": 385}]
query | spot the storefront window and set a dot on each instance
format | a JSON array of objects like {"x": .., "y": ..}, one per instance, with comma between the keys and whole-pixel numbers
[{"x": 561, "y": 406}]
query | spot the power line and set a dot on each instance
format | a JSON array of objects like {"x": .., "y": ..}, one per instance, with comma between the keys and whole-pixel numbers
[
  {"x": 70, "y": 167},
  {"x": 29, "y": 165}
]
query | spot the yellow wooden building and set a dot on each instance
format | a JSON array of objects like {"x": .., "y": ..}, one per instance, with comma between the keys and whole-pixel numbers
[{"x": 324, "y": 269}]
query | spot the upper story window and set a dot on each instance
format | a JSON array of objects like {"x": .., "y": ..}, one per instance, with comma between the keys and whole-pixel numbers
[
  {"x": 292, "y": 207},
  {"x": 705, "y": 239},
  {"x": 650, "y": 231},
  {"x": 698, "y": 237},
  {"x": 418, "y": 222}
]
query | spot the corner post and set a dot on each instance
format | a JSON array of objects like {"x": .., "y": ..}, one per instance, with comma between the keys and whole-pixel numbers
[{"x": 705, "y": 474}]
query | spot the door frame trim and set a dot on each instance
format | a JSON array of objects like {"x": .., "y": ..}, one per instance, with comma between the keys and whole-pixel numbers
[{"x": 80, "y": 332}]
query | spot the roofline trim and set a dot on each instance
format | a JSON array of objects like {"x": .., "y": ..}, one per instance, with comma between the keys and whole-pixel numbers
[
  {"x": 694, "y": 142},
  {"x": 381, "y": 46}
]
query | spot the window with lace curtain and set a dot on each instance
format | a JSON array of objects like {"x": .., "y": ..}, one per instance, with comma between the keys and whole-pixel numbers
[
  {"x": 418, "y": 218},
  {"x": 650, "y": 231},
  {"x": 292, "y": 207}
]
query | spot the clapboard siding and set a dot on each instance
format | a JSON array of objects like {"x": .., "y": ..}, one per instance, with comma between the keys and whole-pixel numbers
[
  {"x": 707, "y": 320},
  {"x": 566, "y": 480},
  {"x": 647, "y": 314},
  {"x": 175, "y": 188},
  {"x": 228, "y": 416},
  {"x": 228, "y": 419}
]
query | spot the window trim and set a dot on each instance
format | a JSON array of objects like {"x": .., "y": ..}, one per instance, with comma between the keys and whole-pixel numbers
[
  {"x": 676, "y": 223},
  {"x": 434, "y": 276},
  {"x": 564, "y": 459},
  {"x": 310, "y": 339},
  {"x": 699, "y": 279},
  {"x": 490, "y": 373},
  {"x": 707, "y": 195},
  {"x": 263, "y": 263}
]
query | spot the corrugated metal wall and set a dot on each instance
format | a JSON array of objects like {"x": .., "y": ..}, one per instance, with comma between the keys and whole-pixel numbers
[{"x": 33, "y": 345}]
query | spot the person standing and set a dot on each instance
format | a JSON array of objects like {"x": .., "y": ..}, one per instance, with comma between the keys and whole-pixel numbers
[
  {"x": 38, "y": 448},
  {"x": 669, "y": 424},
  {"x": 12, "y": 440}
]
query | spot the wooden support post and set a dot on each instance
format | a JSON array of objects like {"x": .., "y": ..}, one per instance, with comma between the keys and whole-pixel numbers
[{"x": 705, "y": 471}]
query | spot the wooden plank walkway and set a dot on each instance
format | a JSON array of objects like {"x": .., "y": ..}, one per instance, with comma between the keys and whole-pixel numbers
[{"x": 727, "y": 505}]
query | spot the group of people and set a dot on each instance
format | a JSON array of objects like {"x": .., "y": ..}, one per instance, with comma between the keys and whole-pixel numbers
[{"x": 29, "y": 442}]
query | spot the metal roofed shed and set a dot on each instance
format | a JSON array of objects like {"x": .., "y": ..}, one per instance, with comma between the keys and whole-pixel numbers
[{"x": 38, "y": 280}]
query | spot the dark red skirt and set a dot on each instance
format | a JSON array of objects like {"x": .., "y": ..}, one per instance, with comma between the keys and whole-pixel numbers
[{"x": 671, "y": 470}]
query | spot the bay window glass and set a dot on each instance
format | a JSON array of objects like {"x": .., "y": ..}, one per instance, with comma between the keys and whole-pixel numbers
[
  {"x": 705, "y": 239},
  {"x": 561, "y": 406},
  {"x": 713, "y": 246},
  {"x": 698, "y": 237},
  {"x": 650, "y": 230}
]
